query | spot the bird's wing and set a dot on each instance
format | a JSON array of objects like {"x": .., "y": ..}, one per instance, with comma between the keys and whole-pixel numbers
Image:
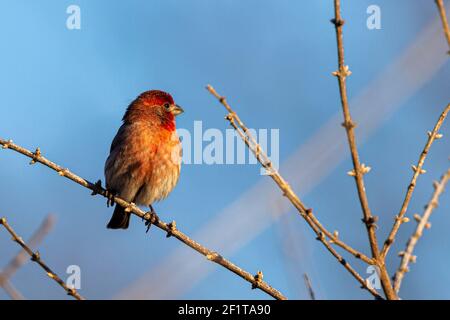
[{"x": 120, "y": 136}]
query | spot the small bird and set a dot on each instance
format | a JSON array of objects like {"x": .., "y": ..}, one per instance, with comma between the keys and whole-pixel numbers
[{"x": 145, "y": 156}]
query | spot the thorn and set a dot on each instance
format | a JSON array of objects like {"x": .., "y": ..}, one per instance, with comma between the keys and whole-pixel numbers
[
  {"x": 7, "y": 144},
  {"x": 212, "y": 256},
  {"x": 402, "y": 220},
  {"x": 172, "y": 228},
  {"x": 401, "y": 253},
  {"x": 436, "y": 136},
  {"x": 308, "y": 211},
  {"x": 421, "y": 171},
  {"x": 342, "y": 73},
  {"x": 434, "y": 203},
  {"x": 413, "y": 259},
  {"x": 36, "y": 155},
  {"x": 35, "y": 256},
  {"x": 351, "y": 173},
  {"x": 335, "y": 237},
  {"x": 348, "y": 124},
  {"x": 258, "y": 278},
  {"x": 417, "y": 217},
  {"x": 337, "y": 23},
  {"x": 435, "y": 184},
  {"x": 346, "y": 71},
  {"x": 320, "y": 236},
  {"x": 365, "y": 169},
  {"x": 370, "y": 221},
  {"x": 62, "y": 172}
]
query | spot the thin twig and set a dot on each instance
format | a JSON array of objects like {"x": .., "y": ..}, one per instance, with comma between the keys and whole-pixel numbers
[
  {"x": 170, "y": 228},
  {"x": 422, "y": 223},
  {"x": 265, "y": 161},
  {"x": 321, "y": 232},
  {"x": 21, "y": 257},
  {"x": 418, "y": 170},
  {"x": 35, "y": 257},
  {"x": 441, "y": 9},
  {"x": 312, "y": 295},
  {"x": 358, "y": 169}
]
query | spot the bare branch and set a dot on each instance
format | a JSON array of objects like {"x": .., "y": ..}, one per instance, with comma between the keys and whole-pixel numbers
[
  {"x": 418, "y": 170},
  {"x": 441, "y": 9},
  {"x": 306, "y": 213},
  {"x": 424, "y": 52},
  {"x": 35, "y": 257},
  {"x": 422, "y": 223},
  {"x": 170, "y": 228},
  {"x": 21, "y": 257},
  {"x": 358, "y": 169}
]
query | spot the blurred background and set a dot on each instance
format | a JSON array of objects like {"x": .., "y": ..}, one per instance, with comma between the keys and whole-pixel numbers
[{"x": 66, "y": 91}]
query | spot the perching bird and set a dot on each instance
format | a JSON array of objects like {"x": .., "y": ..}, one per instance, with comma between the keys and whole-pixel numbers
[{"x": 145, "y": 157}]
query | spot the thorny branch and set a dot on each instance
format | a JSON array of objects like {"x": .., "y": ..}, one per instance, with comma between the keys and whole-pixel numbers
[
  {"x": 358, "y": 169},
  {"x": 441, "y": 9},
  {"x": 422, "y": 223},
  {"x": 35, "y": 257},
  {"x": 170, "y": 228},
  {"x": 418, "y": 170},
  {"x": 321, "y": 232},
  {"x": 21, "y": 258}
]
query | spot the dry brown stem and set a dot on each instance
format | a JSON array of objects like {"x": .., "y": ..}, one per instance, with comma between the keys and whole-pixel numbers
[
  {"x": 170, "y": 228},
  {"x": 306, "y": 213},
  {"x": 422, "y": 224},
  {"x": 443, "y": 15},
  {"x": 36, "y": 257},
  {"x": 21, "y": 258}
]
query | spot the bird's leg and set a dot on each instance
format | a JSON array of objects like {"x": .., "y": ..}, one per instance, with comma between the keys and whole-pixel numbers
[
  {"x": 97, "y": 189},
  {"x": 153, "y": 218},
  {"x": 110, "y": 195}
]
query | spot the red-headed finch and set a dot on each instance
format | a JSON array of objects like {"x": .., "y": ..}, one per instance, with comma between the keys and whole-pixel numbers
[{"x": 145, "y": 157}]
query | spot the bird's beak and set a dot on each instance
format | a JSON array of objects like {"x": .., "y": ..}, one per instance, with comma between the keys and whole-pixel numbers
[{"x": 176, "y": 109}]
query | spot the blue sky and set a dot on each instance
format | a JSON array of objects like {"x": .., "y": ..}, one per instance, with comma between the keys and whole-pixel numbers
[{"x": 66, "y": 90}]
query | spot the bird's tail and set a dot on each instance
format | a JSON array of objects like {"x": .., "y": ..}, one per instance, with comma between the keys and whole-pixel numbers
[{"x": 120, "y": 219}]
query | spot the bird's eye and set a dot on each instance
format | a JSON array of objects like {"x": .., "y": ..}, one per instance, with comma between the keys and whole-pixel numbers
[{"x": 167, "y": 106}]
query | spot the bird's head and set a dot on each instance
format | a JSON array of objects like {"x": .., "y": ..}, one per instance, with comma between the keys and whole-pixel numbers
[{"x": 154, "y": 106}]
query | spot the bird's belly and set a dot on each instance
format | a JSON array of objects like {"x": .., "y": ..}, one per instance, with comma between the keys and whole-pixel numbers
[{"x": 157, "y": 185}]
